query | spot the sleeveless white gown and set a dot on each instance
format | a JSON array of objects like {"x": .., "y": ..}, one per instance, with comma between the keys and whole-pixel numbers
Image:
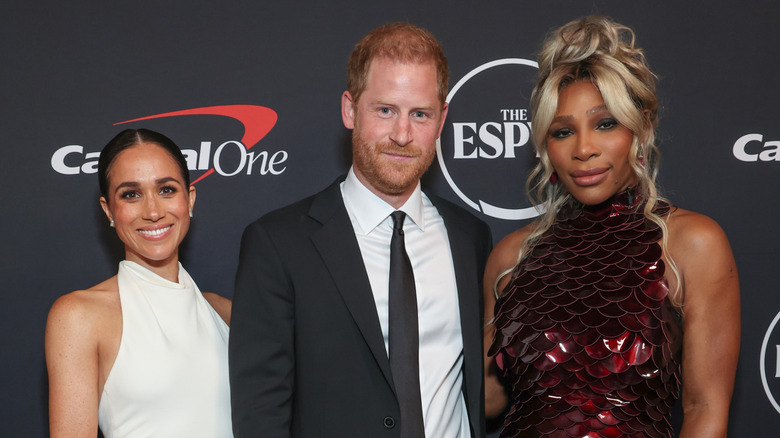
[{"x": 170, "y": 377}]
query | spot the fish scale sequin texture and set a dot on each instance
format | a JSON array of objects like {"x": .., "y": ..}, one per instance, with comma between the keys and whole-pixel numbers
[{"x": 586, "y": 337}]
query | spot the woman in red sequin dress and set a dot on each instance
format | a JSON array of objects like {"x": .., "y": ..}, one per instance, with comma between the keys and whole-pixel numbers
[{"x": 613, "y": 302}]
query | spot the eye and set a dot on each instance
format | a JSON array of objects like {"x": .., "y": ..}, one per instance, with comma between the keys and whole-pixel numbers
[
  {"x": 167, "y": 190},
  {"x": 561, "y": 133},
  {"x": 385, "y": 111},
  {"x": 607, "y": 124},
  {"x": 129, "y": 194},
  {"x": 419, "y": 114}
]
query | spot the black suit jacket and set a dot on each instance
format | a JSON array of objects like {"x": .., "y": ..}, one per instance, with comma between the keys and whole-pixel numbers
[{"x": 307, "y": 356}]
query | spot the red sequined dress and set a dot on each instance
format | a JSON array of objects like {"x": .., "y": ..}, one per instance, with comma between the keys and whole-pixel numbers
[{"x": 586, "y": 337}]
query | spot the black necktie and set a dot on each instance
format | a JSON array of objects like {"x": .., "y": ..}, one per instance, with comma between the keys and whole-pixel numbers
[{"x": 404, "y": 333}]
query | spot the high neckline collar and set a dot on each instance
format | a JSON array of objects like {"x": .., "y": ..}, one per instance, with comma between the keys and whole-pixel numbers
[
  {"x": 622, "y": 201},
  {"x": 626, "y": 201}
]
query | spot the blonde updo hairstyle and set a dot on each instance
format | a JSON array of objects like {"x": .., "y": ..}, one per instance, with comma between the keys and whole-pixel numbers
[{"x": 596, "y": 49}]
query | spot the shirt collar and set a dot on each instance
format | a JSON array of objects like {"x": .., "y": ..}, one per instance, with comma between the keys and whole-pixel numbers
[{"x": 370, "y": 210}]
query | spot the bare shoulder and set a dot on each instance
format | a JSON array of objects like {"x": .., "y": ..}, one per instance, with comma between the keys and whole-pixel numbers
[
  {"x": 702, "y": 253},
  {"x": 222, "y": 305},
  {"x": 87, "y": 318},
  {"x": 504, "y": 254},
  {"x": 88, "y": 306},
  {"x": 693, "y": 234}
]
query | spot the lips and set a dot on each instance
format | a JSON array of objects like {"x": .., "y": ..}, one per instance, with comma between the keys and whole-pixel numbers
[
  {"x": 589, "y": 177},
  {"x": 398, "y": 156},
  {"x": 155, "y": 233}
]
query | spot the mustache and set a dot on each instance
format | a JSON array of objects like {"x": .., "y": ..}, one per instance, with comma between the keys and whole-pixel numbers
[{"x": 392, "y": 147}]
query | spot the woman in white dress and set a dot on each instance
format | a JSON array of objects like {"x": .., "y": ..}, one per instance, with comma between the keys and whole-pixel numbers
[{"x": 143, "y": 353}]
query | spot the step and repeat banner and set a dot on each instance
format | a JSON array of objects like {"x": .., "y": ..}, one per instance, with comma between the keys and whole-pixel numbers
[{"x": 251, "y": 91}]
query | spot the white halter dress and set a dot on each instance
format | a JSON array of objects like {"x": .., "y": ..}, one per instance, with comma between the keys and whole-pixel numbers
[{"x": 170, "y": 377}]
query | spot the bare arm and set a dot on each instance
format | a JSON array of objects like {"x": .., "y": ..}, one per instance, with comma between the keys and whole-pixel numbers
[
  {"x": 222, "y": 305},
  {"x": 711, "y": 322},
  {"x": 72, "y": 363},
  {"x": 503, "y": 257}
]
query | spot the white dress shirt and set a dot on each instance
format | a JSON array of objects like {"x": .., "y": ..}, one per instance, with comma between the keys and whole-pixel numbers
[{"x": 441, "y": 342}]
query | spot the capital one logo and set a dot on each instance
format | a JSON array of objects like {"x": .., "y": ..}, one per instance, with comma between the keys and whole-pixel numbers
[
  {"x": 770, "y": 363},
  {"x": 485, "y": 151},
  {"x": 227, "y": 158},
  {"x": 752, "y": 147}
]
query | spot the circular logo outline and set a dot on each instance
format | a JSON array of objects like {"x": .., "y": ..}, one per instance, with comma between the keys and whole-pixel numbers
[
  {"x": 482, "y": 206},
  {"x": 762, "y": 359}
]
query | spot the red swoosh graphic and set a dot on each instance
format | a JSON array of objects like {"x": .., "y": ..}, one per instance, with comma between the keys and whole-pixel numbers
[{"x": 257, "y": 120}]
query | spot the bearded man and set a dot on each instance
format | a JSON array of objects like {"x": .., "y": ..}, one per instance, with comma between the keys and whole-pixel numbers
[{"x": 358, "y": 311}]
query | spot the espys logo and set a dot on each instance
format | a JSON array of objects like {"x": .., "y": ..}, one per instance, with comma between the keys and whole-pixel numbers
[
  {"x": 485, "y": 150},
  {"x": 752, "y": 147},
  {"x": 770, "y": 363},
  {"x": 228, "y": 159}
]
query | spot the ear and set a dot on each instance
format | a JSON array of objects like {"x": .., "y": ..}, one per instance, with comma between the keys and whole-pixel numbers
[
  {"x": 104, "y": 206},
  {"x": 444, "y": 109},
  {"x": 192, "y": 198},
  {"x": 348, "y": 110}
]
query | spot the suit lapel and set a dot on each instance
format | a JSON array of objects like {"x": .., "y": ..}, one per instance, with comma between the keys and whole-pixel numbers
[
  {"x": 465, "y": 260},
  {"x": 338, "y": 247},
  {"x": 339, "y": 250}
]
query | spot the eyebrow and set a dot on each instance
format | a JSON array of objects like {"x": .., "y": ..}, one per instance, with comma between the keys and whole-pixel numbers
[
  {"x": 165, "y": 180},
  {"x": 133, "y": 184},
  {"x": 428, "y": 107},
  {"x": 596, "y": 109},
  {"x": 593, "y": 110}
]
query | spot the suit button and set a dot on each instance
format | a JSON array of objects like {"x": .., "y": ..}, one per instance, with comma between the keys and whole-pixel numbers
[{"x": 389, "y": 422}]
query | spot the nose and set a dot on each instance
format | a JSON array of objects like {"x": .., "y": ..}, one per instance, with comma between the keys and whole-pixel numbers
[
  {"x": 153, "y": 210},
  {"x": 586, "y": 147},
  {"x": 402, "y": 131}
]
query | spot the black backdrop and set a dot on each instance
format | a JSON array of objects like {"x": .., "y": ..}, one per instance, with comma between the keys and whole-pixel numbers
[{"x": 69, "y": 71}]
